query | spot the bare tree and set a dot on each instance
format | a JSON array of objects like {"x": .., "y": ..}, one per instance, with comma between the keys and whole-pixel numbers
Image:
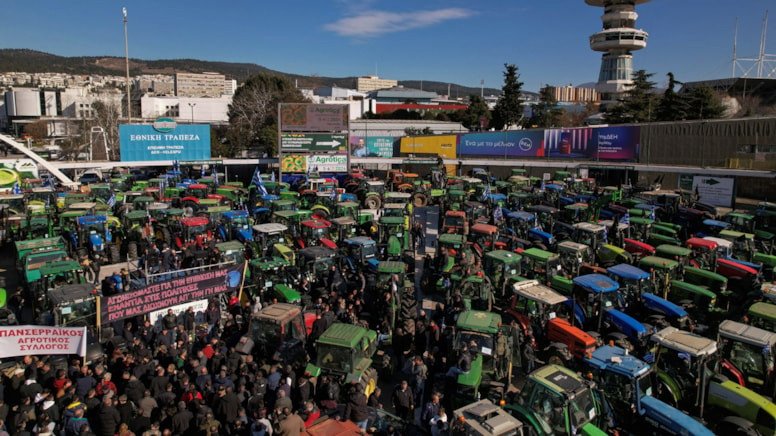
[
  {"x": 37, "y": 130},
  {"x": 107, "y": 114},
  {"x": 249, "y": 113}
]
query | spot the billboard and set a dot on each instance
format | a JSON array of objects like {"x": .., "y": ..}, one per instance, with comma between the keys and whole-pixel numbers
[
  {"x": 164, "y": 141},
  {"x": 569, "y": 143},
  {"x": 717, "y": 191},
  {"x": 293, "y": 163},
  {"x": 438, "y": 145},
  {"x": 511, "y": 143},
  {"x": 328, "y": 163},
  {"x": 617, "y": 143},
  {"x": 296, "y": 142},
  {"x": 307, "y": 117},
  {"x": 371, "y": 146}
]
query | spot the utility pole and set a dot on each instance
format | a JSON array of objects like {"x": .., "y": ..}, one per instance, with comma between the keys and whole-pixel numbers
[
  {"x": 126, "y": 57},
  {"x": 482, "y": 88}
]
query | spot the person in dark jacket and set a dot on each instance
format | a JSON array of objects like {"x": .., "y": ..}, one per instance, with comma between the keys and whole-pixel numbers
[
  {"x": 182, "y": 420},
  {"x": 356, "y": 409},
  {"x": 139, "y": 423},
  {"x": 170, "y": 321},
  {"x": 404, "y": 401},
  {"x": 189, "y": 321},
  {"x": 227, "y": 405},
  {"x": 108, "y": 418},
  {"x": 463, "y": 364}
]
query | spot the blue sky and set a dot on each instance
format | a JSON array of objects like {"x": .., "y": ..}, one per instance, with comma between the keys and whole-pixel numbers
[{"x": 450, "y": 41}]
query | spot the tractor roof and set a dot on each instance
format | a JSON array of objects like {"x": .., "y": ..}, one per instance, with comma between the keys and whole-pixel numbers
[
  {"x": 558, "y": 378},
  {"x": 362, "y": 240},
  {"x": 452, "y": 239},
  {"x": 270, "y": 228},
  {"x": 589, "y": 227},
  {"x": 707, "y": 242},
  {"x": 618, "y": 361},
  {"x": 503, "y": 256},
  {"x": 269, "y": 263},
  {"x": 59, "y": 267},
  {"x": 317, "y": 224},
  {"x": 539, "y": 254},
  {"x": 72, "y": 293},
  {"x": 658, "y": 262},
  {"x": 135, "y": 215},
  {"x": 597, "y": 283},
  {"x": 484, "y": 418},
  {"x": 233, "y": 214},
  {"x": 479, "y": 321},
  {"x": 763, "y": 310},
  {"x": 484, "y": 228},
  {"x": 195, "y": 221},
  {"x": 686, "y": 342},
  {"x": 316, "y": 252},
  {"x": 535, "y": 291},
  {"x": 672, "y": 250},
  {"x": 391, "y": 267},
  {"x": 747, "y": 334},
  {"x": 628, "y": 272},
  {"x": 279, "y": 312},
  {"x": 343, "y": 335},
  {"x": 229, "y": 246},
  {"x": 91, "y": 219}
]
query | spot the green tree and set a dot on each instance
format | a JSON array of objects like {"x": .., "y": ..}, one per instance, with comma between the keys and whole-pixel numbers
[
  {"x": 703, "y": 104},
  {"x": 475, "y": 112},
  {"x": 672, "y": 106},
  {"x": 545, "y": 112},
  {"x": 509, "y": 108},
  {"x": 638, "y": 104},
  {"x": 254, "y": 110},
  {"x": 415, "y": 131}
]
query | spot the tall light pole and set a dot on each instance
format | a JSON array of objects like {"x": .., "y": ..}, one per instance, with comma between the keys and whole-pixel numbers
[
  {"x": 191, "y": 105},
  {"x": 126, "y": 57}
]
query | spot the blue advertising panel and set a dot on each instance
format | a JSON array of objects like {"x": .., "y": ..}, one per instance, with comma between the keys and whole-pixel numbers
[
  {"x": 164, "y": 140},
  {"x": 513, "y": 143},
  {"x": 569, "y": 143},
  {"x": 617, "y": 143}
]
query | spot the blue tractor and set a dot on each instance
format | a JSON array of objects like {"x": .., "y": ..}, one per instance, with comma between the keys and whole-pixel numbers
[
  {"x": 236, "y": 225},
  {"x": 625, "y": 382},
  {"x": 97, "y": 238},
  {"x": 360, "y": 254}
]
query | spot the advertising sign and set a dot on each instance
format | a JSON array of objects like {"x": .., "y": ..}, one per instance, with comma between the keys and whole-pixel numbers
[
  {"x": 23, "y": 340},
  {"x": 296, "y": 142},
  {"x": 306, "y": 117},
  {"x": 617, "y": 143},
  {"x": 199, "y": 307},
  {"x": 512, "y": 143},
  {"x": 438, "y": 145},
  {"x": 141, "y": 142},
  {"x": 332, "y": 163},
  {"x": 168, "y": 293},
  {"x": 569, "y": 143},
  {"x": 293, "y": 163},
  {"x": 717, "y": 191},
  {"x": 371, "y": 146}
]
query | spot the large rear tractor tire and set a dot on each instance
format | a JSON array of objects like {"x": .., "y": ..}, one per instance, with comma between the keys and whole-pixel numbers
[
  {"x": 132, "y": 251},
  {"x": 115, "y": 256},
  {"x": 420, "y": 200},
  {"x": 373, "y": 202},
  {"x": 369, "y": 381}
]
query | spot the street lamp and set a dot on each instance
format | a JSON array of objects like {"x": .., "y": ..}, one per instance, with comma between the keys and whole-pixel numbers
[
  {"x": 126, "y": 57},
  {"x": 191, "y": 105}
]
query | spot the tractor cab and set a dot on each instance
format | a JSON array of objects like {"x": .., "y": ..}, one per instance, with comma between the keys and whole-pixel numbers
[
  {"x": 747, "y": 356},
  {"x": 291, "y": 219},
  {"x": 638, "y": 291},
  {"x": 520, "y": 223},
  {"x": 763, "y": 315},
  {"x": 573, "y": 255},
  {"x": 268, "y": 236},
  {"x": 342, "y": 228},
  {"x": 279, "y": 332},
  {"x": 484, "y": 238},
  {"x": 592, "y": 235},
  {"x": 533, "y": 305},
  {"x": 96, "y": 237},
  {"x": 540, "y": 264},
  {"x": 315, "y": 262},
  {"x": 455, "y": 221},
  {"x": 476, "y": 211},
  {"x": 484, "y": 418},
  {"x": 683, "y": 255},
  {"x": 193, "y": 229},
  {"x": 662, "y": 270},
  {"x": 484, "y": 334},
  {"x": 626, "y": 382},
  {"x": 360, "y": 252},
  {"x": 503, "y": 268},
  {"x": 315, "y": 231},
  {"x": 60, "y": 273},
  {"x": 236, "y": 225},
  {"x": 705, "y": 250},
  {"x": 640, "y": 228},
  {"x": 557, "y": 401},
  {"x": 231, "y": 252}
]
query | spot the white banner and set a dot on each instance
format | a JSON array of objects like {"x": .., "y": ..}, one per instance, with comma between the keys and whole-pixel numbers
[
  {"x": 328, "y": 163},
  {"x": 24, "y": 340},
  {"x": 718, "y": 191}
]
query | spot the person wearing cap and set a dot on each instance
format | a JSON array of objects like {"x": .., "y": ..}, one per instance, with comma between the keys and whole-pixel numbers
[
  {"x": 356, "y": 408},
  {"x": 227, "y": 405},
  {"x": 125, "y": 408}
]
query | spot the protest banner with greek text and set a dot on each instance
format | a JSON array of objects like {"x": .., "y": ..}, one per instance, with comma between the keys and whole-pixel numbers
[{"x": 23, "y": 340}]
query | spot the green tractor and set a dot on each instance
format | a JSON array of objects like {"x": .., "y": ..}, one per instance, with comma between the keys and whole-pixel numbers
[
  {"x": 557, "y": 401},
  {"x": 344, "y": 352},
  {"x": 493, "y": 348},
  {"x": 393, "y": 235},
  {"x": 503, "y": 268},
  {"x": 747, "y": 356},
  {"x": 392, "y": 279},
  {"x": 686, "y": 379}
]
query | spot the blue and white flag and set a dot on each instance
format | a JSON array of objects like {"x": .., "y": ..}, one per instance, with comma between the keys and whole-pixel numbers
[
  {"x": 256, "y": 180},
  {"x": 307, "y": 174},
  {"x": 162, "y": 187},
  {"x": 606, "y": 236},
  {"x": 497, "y": 213},
  {"x": 112, "y": 200},
  {"x": 176, "y": 166},
  {"x": 625, "y": 219},
  {"x": 202, "y": 171},
  {"x": 333, "y": 195},
  {"x": 652, "y": 214},
  {"x": 16, "y": 188},
  {"x": 215, "y": 178},
  {"x": 272, "y": 176},
  {"x": 543, "y": 186},
  {"x": 486, "y": 193}
]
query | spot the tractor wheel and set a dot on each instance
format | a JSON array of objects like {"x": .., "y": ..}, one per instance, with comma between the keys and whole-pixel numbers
[
  {"x": 556, "y": 359},
  {"x": 191, "y": 204},
  {"x": 420, "y": 199},
  {"x": 320, "y": 214},
  {"x": 369, "y": 381},
  {"x": 115, "y": 256},
  {"x": 132, "y": 251},
  {"x": 373, "y": 202}
]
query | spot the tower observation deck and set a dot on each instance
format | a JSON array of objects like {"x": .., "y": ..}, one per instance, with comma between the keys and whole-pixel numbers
[{"x": 618, "y": 38}]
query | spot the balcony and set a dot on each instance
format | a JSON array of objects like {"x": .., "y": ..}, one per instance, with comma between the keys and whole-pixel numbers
[{"x": 619, "y": 39}]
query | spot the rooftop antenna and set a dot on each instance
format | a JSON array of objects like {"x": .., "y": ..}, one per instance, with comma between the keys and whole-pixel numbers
[
  {"x": 735, "y": 41},
  {"x": 764, "y": 65}
]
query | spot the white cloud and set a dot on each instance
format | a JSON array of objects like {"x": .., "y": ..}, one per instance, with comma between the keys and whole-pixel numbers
[{"x": 370, "y": 24}]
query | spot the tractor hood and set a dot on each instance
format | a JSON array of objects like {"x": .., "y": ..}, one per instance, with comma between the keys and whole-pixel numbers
[
  {"x": 667, "y": 308},
  {"x": 545, "y": 237},
  {"x": 671, "y": 419},
  {"x": 96, "y": 240},
  {"x": 627, "y": 324},
  {"x": 245, "y": 234}
]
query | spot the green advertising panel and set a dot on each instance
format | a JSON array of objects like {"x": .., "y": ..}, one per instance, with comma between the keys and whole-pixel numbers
[
  {"x": 295, "y": 142},
  {"x": 372, "y": 146}
]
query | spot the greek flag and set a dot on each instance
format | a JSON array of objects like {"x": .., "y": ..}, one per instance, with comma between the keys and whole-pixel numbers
[
  {"x": 486, "y": 193},
  {"x": 652, "y": 214},
  {"x": 202, "y": 171},
  {"x": 272, "y": 176},
  {"x": 215, "y": 178},
  {"x": 333, "y": 195},
  {"x": 606, "y": 236},
  {"x": 162, "y": 187},
  {"x": 307, "y": 174},
  {"x": 258, "y": 182},
  {"x": 497, "y": 213},
  {"x": 16, "y": 188},
  {"x": 543, "y": 187},
  {"x": 625, "y": 218},
  {"x": 176, "y": 166},
  {"x": 112, "y": 200}
]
